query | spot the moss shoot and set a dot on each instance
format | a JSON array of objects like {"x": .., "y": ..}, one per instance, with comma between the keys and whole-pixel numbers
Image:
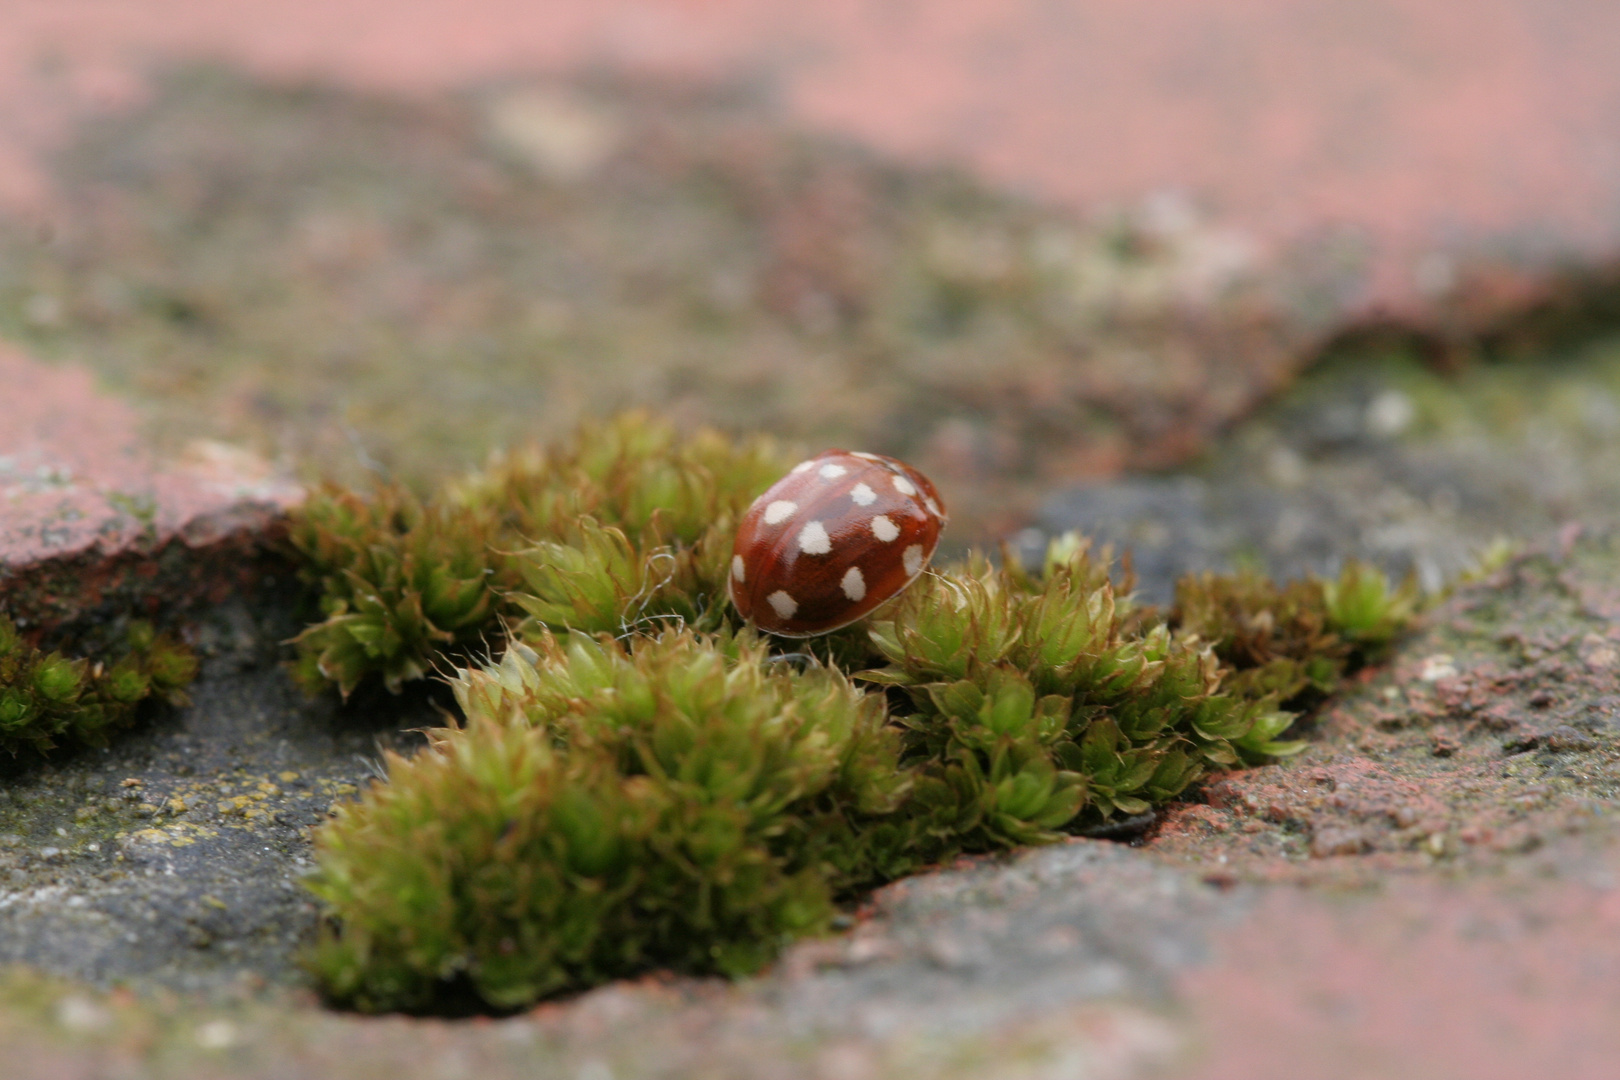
[
  {"x": 49, "y": 700},
  {"x": 638, "y": 781},
  {"x": 626, "y": 527}
]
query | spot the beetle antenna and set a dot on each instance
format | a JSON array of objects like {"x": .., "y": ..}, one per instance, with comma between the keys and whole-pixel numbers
[{"x": 644, "y": 596}]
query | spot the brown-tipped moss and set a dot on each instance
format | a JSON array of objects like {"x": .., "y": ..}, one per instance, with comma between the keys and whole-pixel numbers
[
  {"x": 624, "y": 473},
  {"x": 625, "y": 525},
  {"x": 602, "y": 582},
  {"x": 49, "y": 700},
  {"x": 1045, "y": 703},
  {"x": 642, "y": 783},
  {"x": 401, "y": 582},
  {"x": 687, "y": 805},
  {"x": 1295, "y": 641}
]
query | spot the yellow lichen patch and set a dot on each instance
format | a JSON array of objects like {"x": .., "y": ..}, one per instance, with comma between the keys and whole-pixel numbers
[
  {"x": 174, "y": 834},
  {"x": 241, "y": 805}
]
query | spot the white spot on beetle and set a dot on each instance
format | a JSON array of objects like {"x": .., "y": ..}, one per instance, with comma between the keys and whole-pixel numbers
[
  {"x": 913, "y": 559},
  {"x": 884, "y": 529},
  {"x": 832, "y": 472},
  {"x": 737, "y": 570},
  {"x": 904, "y": 486},
  {"x": 863, "y": 495},
  {"x": 864, "y": 454},
  {"x": 813, "y": 539},
  {"x": 804, "y": 466},
  {"x": 783, "y": 604},
  {"x": 854, "y": 584},
  {"x": 779, "y": 511},
  {"x": 933, "y": 507}
]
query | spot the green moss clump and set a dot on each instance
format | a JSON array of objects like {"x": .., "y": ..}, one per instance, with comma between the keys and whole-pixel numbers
[
  {"x": 47, "y": 699},
  {"x": 401, "y": 582},
  {"x": 625, "y": 526},
  {"x": 605, "y": 811},
  {"x": 642, "y": 782},
  {"x": 1294, "y": 641},
  {"x": 1042, "y": 703}
]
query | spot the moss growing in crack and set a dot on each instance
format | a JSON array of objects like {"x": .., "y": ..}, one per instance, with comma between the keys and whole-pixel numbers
[
  {"x": 626, "y": 525},
  {"x": 1036, "y": 704},
  {"x": 604, "y": 811},
  {"x": 641, "y": 782},
  {"x": 401, "y": 582},
  {"x": 49, "y": 700},
  {"x": 1293, "y": 641}
]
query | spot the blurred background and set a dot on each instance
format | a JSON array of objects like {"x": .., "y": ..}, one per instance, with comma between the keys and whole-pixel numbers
[{"x": 1070, "y": 257}]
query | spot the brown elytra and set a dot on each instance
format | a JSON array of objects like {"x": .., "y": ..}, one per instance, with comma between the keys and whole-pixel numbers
[{"x": 828, "y": 543}]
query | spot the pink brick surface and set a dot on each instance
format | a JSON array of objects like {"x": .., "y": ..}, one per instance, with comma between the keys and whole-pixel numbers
[
  {"x": 1426, "y": 981},
  {"x": 1425, "y": 135},
  {"x": 78, "y": 482}
]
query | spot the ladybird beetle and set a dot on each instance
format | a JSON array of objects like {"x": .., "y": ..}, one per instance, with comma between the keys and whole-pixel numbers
[{"x": 830, "y": 541}]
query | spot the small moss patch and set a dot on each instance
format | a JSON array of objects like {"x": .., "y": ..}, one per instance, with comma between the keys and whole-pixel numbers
[{"x": 48, "y": 699}]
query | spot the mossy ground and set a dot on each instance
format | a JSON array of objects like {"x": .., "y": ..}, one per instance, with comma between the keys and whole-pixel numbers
[
  {"x": 638, "y": 780},
  {"x": 1095, "y": 984}
]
